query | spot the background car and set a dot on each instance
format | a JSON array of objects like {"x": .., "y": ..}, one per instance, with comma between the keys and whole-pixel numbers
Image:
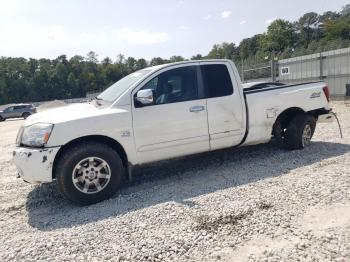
[{"x": 17, "y": 111}]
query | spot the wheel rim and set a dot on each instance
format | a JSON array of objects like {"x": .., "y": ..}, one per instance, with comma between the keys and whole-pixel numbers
[
  {"x": 307, "y": 135},
  {"x": 91, "y": 175}
]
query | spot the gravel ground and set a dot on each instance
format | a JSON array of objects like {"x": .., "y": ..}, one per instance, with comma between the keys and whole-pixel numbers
[{"x": 250, "y": 204}]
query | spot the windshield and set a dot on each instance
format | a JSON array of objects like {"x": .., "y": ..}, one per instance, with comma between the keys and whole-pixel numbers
[{"x": 117, "y": 89}]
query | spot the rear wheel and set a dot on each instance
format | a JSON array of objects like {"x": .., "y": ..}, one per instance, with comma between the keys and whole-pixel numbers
[
  {"x": 89, "y": 173},
  {"x": 2, "y": 119},
  {"x": 25, "y": 115},
  {"x": 300, "y": 131}
]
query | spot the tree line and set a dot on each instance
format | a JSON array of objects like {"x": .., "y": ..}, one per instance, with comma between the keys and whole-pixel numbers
[{"x": 24, "y": 80}]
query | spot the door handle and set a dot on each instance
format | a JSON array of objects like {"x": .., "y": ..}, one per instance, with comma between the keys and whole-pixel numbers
[{"x": 196, "y": 109}]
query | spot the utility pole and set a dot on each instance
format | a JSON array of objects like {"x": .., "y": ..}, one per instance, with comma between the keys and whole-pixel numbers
[
  {"x": 321, "y": 66},
  {"x": 242, "y": 71},
  {"x": 273, "y": 70}
]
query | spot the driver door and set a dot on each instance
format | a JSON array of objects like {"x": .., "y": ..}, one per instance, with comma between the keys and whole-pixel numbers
[
  {"x": 176, "y": 123},
  {"x": 9, "y": 112}
]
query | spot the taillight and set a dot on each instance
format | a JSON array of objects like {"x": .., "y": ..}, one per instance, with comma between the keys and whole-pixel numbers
[{"x": 326, "y": 93}]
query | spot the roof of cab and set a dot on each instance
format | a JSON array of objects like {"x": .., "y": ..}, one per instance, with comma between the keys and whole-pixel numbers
[{"x": 157, "y": 67}]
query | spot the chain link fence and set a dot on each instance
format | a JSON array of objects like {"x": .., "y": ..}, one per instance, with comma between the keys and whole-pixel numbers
[{"x": 333, "y": 67}]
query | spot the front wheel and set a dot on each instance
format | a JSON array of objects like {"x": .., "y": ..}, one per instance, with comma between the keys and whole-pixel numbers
[
  {"x": 2, "y": 119},
  {"x": 89, "y": 173},
  {"x": 300, "y": 131},
  {"x": 25, "y": 115}
]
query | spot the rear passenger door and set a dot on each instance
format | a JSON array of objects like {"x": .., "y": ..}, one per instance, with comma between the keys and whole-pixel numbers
[
  {"x": 18, "y": 110},
  {"x": 224, "y": 105}
]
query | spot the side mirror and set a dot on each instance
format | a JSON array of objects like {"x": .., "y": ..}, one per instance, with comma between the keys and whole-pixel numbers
[{"x": 145, "y": 97}]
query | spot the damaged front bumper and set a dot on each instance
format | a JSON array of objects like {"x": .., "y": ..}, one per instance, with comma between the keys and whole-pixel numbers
[{"x": 34, "y": 165}]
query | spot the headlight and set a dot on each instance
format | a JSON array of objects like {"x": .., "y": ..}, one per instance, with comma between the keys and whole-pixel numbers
[{"x": 36, "y": 135}]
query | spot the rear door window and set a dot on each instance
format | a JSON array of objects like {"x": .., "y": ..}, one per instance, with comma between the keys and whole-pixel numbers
[
  {"x": 217, "y": 80},
  {"x": 19, "y": 107}
]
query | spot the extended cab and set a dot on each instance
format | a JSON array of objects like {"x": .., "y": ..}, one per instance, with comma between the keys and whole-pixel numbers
[{"x": 158, "y": 113}]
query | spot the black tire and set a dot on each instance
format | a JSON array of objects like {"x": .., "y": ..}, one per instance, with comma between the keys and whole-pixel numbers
[
  {"x": 25, "y": 115},
  {"x": 294, "y": 134},
  {"x": 2, "y": 119},
  {"x": 74, "y": 155},
  {"x": 279, "y": 134}
]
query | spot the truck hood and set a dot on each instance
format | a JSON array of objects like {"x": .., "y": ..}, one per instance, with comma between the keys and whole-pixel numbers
[{"x": 70, "y": 113}]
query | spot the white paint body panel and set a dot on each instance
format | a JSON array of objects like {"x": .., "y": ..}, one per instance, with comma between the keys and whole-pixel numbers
[
  {"x": 75, "y": 121},
  {"x": 262, "y": 104},
  {"x": 226, "y": 115},
  {"x": 35, "y": 165},
  {"x": 160, "y": 132},
  {"x": 178, "y": 131}
]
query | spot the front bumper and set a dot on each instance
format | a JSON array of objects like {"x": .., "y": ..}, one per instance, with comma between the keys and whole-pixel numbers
[{"x": 34, "y": 165}]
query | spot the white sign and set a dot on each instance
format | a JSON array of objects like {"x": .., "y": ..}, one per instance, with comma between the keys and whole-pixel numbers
[{"x": 285, "y": 71}]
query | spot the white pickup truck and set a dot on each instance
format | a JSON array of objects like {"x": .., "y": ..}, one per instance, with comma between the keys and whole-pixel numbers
[{"x": 158, "y": 113}]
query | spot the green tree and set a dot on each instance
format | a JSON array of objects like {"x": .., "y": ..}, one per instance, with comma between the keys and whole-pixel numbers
[
  {"x": 131, "y": 64},
  {"x": 72, "y": 85},
  {"x": 250, "y": 46},
  {"x": 176, "y": 58},
  {"x": 197, "y": 57},
  {"x": 120, "y": 59},
  {"x": 157, "y": 61},
  {"x": 339, "y": 29},
  {"x": 345, "y": 12},
  {"x": 224, "y": 51},
  {"x": 106, "y": 61},
  {"x": 141, "y": 63},
  {"x": 329, "y": 16},
  {"x": 280, "y": 36},
  {"x": 92, "y": 57},
  {"x": 309, "y": 28}
]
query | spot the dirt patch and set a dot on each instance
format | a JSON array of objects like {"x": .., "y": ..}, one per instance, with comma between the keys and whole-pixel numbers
[
  {"x": 257, "y": 247},
  {"x": 213, "y": 224},
  {"x": 264, "y": 205},
  {"x": 321, "y": 219}
]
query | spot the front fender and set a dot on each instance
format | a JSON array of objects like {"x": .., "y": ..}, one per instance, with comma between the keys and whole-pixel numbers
[{"x": 117, "y": 127}]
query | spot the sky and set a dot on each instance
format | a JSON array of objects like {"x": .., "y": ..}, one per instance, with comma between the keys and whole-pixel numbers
[{"x": 139, "y": 28}]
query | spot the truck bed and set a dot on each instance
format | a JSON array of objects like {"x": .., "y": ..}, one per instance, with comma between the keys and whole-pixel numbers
[
  {"x": 255, "y": 89},
  {"x": 264, "y": 105}
]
